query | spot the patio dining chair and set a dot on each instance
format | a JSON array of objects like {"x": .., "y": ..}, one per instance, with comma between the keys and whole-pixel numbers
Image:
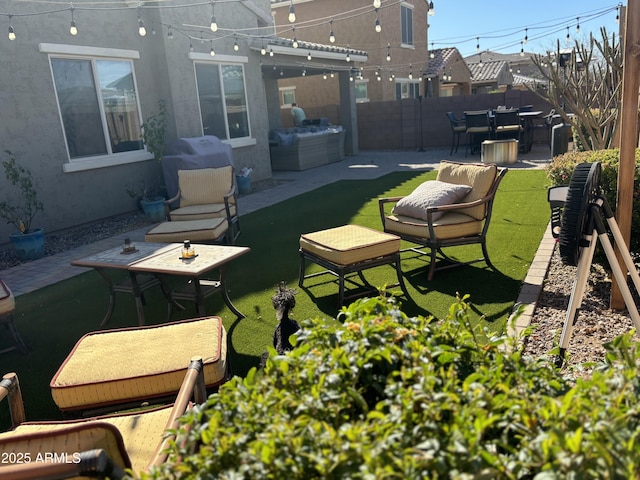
[
  {"x": 453, "y": 210},
  {"x": 102, "y": 447},
  {"x": 507, "y": 124},
  {"x": 458, "y": 127},
  {"x": 478, "y": 129}
]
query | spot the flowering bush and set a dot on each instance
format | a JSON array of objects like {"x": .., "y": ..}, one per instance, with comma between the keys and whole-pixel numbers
[{"x": 381, "y": 395}]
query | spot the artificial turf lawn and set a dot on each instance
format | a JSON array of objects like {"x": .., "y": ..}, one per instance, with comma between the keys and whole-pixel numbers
[{"x": 52, "y": 319}]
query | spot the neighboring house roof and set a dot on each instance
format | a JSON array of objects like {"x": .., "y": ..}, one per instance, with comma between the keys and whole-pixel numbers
[
  {"x": 443, "y": 58},
  {"x": 490, "y": 72},
  {"x": 523, "y": 63},
  {"x": 524, "y": 80}
]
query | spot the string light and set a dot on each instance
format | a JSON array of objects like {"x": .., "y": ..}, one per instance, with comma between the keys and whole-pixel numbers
[
  {"x": 214, "y": 24},
  {"x": 526, "y": 35},
  {"x": 190, "y": 46},
  {"x": 213, "y": 52},
  {"x": 577, "y": 24},
  {"x": 12, "y": 33},
  {"x": 378, "y": 26},
  {"x": 478, "y": 45},
  {"x": 618, "y": 13},
  {"x": 73, "y": 28},
  {"x": 263, "y": 50},
  {"x": 432, "y": 10},
  {"x": 141, "y": 30},
  {"x": 348, "y": 57},
  {"x": 170, "y": 33},
  {"x": 309, "y": 56},
  {"x": 292, "y": 13},
  {"x": 376, "y": 3},
  {"x": 324, "y": 75},
  {"x": 304, "y": 73},
  {"x": 388, "y": 52},
  {"x": 568, "y": 35},
  {"x": 271, "y": 52},
  {"x": 521, "y": 49},
  {"x": 236, "y": 47},
  {"x": 432, "y": 53},
  {"x": 410, "y": 72},
  {"x": 332, "y": 37},
  {"x": 295, "y": 40},
  {"x": 332, "y": 74}
]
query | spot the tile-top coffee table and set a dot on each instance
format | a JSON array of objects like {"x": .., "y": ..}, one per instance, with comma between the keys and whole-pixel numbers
[{"x": 349, "y": 249}]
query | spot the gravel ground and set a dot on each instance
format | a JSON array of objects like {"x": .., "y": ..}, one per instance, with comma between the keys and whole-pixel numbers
[{"x": 595, "y": 324}]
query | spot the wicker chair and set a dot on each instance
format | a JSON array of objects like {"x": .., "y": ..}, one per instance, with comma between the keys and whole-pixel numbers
[
  {"x": 446, "y": 223},
  {"x": 101, "y": 447}
]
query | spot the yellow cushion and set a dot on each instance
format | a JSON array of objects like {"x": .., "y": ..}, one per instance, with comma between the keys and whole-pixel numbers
[
  {"x": 480, "y": 177},
  {"x": 64, "y": 439},
  {"x": 116, "y": 366},
  {"x": 7, "y": 300},
  {"x": 204, "y": 230},
  {"x": 450, "y": 225},
  {"x": 349, "y": 244},
  {"x": 204, "y": 185},
  {"x": 198, "y": 212}
]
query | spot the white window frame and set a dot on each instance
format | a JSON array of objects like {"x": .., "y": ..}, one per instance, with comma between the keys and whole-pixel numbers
[
  {"x": 220, "y": 59},
  {"x": 92, "y": 53},
  {"x": 366, "y": 99},
  {"x": 407, "y": 81},
  {"x": 406, "y": 7},
  {"x": 283, "y": 90}
]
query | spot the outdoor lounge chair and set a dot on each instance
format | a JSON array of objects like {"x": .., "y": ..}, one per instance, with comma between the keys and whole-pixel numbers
[
  {"x": 206, "y": 193},
  {"x": 100, "y": 447},
  {"x": 459, "y": 214},
  {"x": 7, "y": 307}
]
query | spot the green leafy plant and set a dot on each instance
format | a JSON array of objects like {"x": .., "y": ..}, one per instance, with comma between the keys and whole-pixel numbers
[
  {"x": 21, "y": 213},
  {"x": 154, "y": 131},
  {"x": 382, "y": 395}
]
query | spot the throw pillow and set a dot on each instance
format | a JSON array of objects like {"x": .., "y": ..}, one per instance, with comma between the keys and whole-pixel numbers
[{"x": 432, "y": 193}]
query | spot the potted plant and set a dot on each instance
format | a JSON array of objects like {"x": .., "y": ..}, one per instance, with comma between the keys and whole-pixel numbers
[
  {"x": 154, "y": 130},
  {"x": 21, "y": 210}
]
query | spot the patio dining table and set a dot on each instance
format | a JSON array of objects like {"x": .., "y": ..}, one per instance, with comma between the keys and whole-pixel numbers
[
  {"x": 526, "y": 120},
  {"x": 149, "y": 262}
]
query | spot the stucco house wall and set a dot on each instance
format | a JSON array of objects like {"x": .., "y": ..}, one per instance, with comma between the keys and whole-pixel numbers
[{"x": 164, "y": 70}]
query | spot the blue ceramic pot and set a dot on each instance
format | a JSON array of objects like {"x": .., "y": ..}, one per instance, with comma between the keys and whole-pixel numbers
[{"x": 28, "y": 245}]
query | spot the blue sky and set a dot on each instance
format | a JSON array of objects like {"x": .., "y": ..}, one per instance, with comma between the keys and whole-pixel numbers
[{"x": 501, "y": 25}]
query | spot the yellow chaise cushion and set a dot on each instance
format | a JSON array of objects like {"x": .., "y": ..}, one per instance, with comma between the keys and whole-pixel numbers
[
  {"x": 131, "y": 364},
  {"x": 204, "y": 185},
  {"x": 480, "y": 177},
  {"x": 349, "y": 244}
]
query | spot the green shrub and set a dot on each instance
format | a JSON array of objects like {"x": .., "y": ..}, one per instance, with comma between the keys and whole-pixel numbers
[
  {"x": 559, "y": 172},
  {"x": 386, "y": 396}
]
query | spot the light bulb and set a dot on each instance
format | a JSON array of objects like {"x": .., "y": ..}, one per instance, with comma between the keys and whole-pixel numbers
[
  {"x": 212, "y": 53},
  {"x": 263, "y": 51},
  {"x": 190, "y": 46},
  {"x": 350, "y": 77},
  {"x": 292, "y": 13},
  {"x": 378, "y": 26},
  {"x": 214, "y": 24},
  {"x": 332, "y": 74},
  {"x": 141, "y": 30},
  {"x": 304, "y": 73},
  {"x": 235, "y": 46},
  {"x": 73, "y": 29},
  {"x": 332, "y": 37},
  {"x": 388, "y": 57},
  {"x": 432, "y": 10},
  {"x": 309, "y": 56},
  {"x": 410, "y": 75},
  {"x": 12, "y": 34},
  {"x": 376, "y": 3},
  {"x": 526, "y": 35},
  {"x": 324, "y": 75},
  {"x": 348, "y": 58},
  {"x": 578, "y": 25},
  {"x": 271, "y": 52},
  {"x": 295, "y": 43},
  {"x": 170, "y": 33}
]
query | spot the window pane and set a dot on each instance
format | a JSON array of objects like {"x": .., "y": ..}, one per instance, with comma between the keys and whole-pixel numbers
[
  {"x": 120, "y": 105},
  {"x": 361, "y": 90},
  {"x": 407, "y": 25},
  {"x": 235, "y": 101},
  {"x": 210, "y": 97},
  {"x": 79, "y": 107},
  {"x": 288, "y": 97}
]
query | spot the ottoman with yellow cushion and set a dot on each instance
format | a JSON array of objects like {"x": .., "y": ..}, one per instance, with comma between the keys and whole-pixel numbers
[
  {"x": 348, "y": 249},
  {"x": 203, "y": 230},
  {"x": 134, "y": 365}
]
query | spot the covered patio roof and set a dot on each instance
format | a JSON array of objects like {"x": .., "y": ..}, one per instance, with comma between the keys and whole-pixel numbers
[{"x": 282, "y": 60}]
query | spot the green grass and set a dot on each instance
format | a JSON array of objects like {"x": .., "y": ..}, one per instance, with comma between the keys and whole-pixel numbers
[{"x": 52, "y": 319}]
